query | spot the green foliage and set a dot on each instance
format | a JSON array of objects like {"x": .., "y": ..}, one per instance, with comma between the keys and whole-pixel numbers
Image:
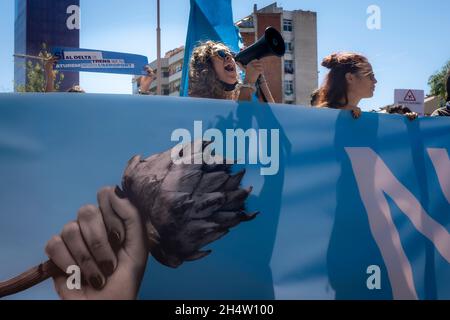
[
  {"x": 437, "y": 82},
  {"x": 36, "y": 75}
]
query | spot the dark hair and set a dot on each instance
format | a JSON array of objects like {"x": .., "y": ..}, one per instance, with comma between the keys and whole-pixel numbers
[
  {"x": 75, "y": 89},
  {"x": 315, "y": 97},
  {"x": 398, "y": 109},
  {"x": 333, "y": 93}
]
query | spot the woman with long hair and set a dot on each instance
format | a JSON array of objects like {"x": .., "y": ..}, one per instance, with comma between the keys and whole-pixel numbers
[
  {"x": 350, "y": 80},
  {"x": 213, "y": 73}
]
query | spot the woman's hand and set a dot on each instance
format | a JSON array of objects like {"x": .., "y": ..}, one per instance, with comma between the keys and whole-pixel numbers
[
  {"x": 253, "y": 70},
  {"x": 108, "y": 244},
  {"x": 356, "y": 112},
  {"x": 411, "y": 115}
]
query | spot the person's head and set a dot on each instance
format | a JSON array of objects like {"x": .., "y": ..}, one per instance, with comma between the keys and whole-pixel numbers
[
  {"x": 397, "y": 109},
  {"x": 315, "y": 97},
  {"x": 75, "y": 89},
  {"x": 350, "y": 74},
  {"x": 212, "y": 71}
]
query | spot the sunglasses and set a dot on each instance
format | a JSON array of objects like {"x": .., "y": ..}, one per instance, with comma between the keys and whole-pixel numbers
[
  {"x": 369, "y": 75},
  {"x": 223, "y": 54}
]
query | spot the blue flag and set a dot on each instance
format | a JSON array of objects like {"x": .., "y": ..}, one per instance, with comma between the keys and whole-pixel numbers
[{"x": 208, "y": 20}]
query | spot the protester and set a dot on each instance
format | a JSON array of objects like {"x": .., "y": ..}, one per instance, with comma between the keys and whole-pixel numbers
[
  {"x": 50, "y": 77},
  {"x": 144, "y": 82},
  {"x": 75, "y": 89},
  {"x": 314, "y": 97},
  {"x": 213, "y": 73},
  {"x": 444, "y": 111},
  {"x": 349, "y": 80}
]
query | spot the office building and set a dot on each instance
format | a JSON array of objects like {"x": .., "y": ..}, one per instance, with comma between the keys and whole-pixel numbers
[{"x": 53, "y": 22}]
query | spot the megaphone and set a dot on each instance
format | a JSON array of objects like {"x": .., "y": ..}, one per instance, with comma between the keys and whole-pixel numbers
[{"x": 271, "y": 44}]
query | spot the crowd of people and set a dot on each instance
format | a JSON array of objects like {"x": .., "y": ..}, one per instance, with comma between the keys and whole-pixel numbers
[{"x": 213, "y": 73}]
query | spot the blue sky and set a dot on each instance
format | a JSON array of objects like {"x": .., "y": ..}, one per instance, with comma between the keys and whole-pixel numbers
[{"x": 411, "y": 45}]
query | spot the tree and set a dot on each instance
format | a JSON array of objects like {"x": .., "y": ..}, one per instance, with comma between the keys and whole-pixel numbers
[
  {"x": 438, "y": 81},
  {"x": 35, "y": 74}
]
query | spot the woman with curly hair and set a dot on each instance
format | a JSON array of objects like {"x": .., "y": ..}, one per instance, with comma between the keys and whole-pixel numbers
[
  {"x": 213, "y": 74},
  {"x": 350, "y": 80}
]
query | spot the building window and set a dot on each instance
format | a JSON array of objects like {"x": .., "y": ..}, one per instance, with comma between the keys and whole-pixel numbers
[
  {"x": 289, "y": 47},
  {"x": 288, "y": 87},
  {"x": 174, "y": 86},
  {"x": 288, "y": 66},
  {"x": 175, "y": 69},
  {"x": 287, "y": 25}
]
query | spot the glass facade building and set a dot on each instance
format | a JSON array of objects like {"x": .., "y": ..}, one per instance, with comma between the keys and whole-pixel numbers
[{"x": 45, "y": 21}]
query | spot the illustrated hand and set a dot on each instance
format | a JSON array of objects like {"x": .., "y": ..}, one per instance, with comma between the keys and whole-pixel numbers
[{"x": 108, "y": 244}]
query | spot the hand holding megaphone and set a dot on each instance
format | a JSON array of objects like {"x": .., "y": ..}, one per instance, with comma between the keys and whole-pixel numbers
[
  {"x": 253, "y": 70},
  {"x": 271, "y": 44}
]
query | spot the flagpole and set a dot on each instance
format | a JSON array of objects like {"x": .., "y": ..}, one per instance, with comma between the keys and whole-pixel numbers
[{"x": 158, "y": 52}]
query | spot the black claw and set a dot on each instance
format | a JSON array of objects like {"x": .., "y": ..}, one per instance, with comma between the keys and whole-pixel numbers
[
  {"x": 250, "y": 216},
  {"x": 198, "y": 255},
  {"x": 234, "y": 181}
]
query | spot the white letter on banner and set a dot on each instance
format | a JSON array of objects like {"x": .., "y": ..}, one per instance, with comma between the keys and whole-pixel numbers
[
  {"x": 198, "y": 142},
  {"x": 176, "y": 155},
  {"x": 73, "y": 21},
  {"x": 441, "y": 163},
  {"x": 274, "y": 159},
  {"x": 240, "y": 136},
  {"x": 374, "y": 180},
  {"x": 211, "y": 154}
]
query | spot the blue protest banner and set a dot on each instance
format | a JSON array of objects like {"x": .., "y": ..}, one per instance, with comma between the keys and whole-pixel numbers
[
  {"x": 350, "y": 209},
  {"x": 88, "y": 60}
]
